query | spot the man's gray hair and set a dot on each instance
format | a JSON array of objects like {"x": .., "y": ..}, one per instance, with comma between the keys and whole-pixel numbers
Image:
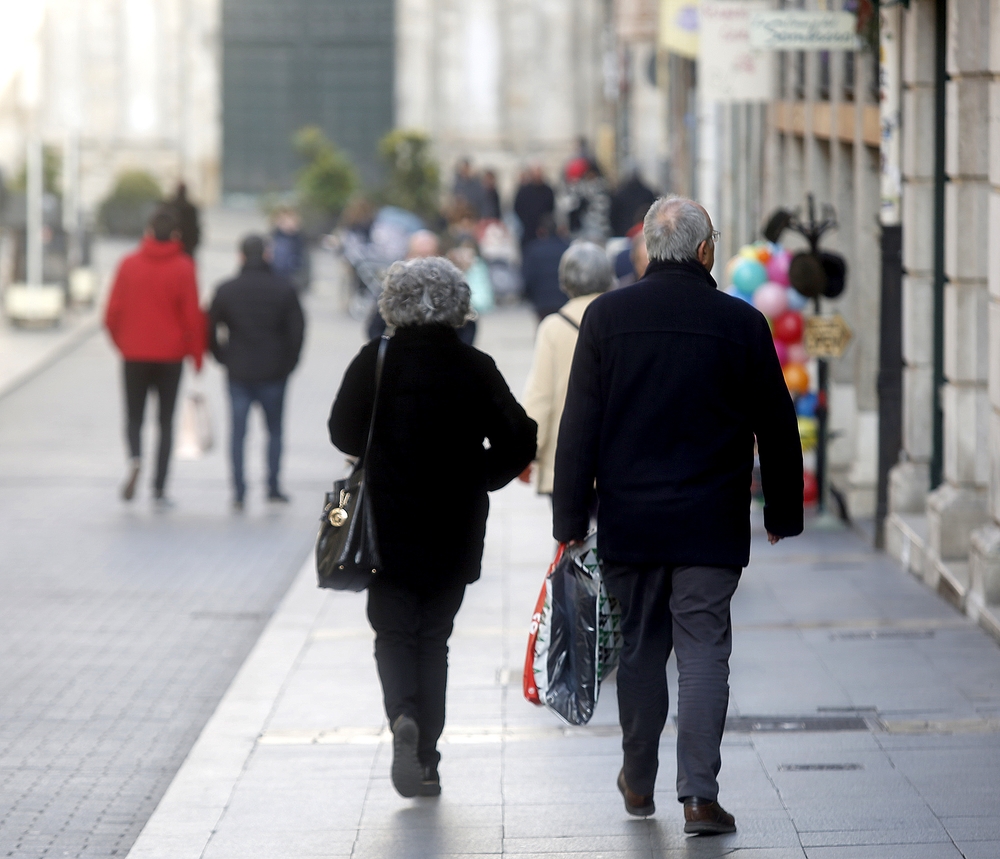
[
  {"x": 584, "y": 269},
  {"x": 427, "y": 291},
  {"x": 673, "y": 229}
]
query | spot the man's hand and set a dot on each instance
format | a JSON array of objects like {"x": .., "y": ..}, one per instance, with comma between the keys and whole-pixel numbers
[
  {"x": 525, "y": 476},
  {"x": 773, "y": 538}
]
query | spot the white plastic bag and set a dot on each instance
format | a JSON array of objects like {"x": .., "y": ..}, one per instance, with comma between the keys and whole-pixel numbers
[{"x": 195, "y": 438}]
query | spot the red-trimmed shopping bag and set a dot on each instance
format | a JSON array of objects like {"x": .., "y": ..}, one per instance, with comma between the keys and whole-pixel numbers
[{"x": 575, "y": 635}]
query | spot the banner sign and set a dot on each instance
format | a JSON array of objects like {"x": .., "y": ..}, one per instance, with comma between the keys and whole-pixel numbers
[
  {"x": 679, "y": 27},
  {"x": 800, "y": 30},
  {"x": 730, "y": 69}
]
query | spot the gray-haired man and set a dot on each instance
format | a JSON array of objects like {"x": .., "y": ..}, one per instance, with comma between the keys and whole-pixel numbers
[{"x": 672, "y": 382}]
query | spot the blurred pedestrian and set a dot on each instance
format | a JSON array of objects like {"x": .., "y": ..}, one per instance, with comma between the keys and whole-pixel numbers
[
  {"x": 587, "y": 205},
  {"x": 584, "y": 273},
  {"x": 187, "y": 219},
  {"x": 491, "y": 210},
  {"x": 672, "y": 381},
  {"x": 439, "y": 403},
  {"x": 468, "y": 187},
  {"x": 289, "y": 250},
  {"x": 534, "y": 199},
  {"x": 155, "y": 321},
  {"x": 630, "y": 201},
  {"x": 540, "y": 268},
  {"x": 631, "y": 262},
  {"x": 262, "y": 329},
  {"x": 422, "y": 244}
]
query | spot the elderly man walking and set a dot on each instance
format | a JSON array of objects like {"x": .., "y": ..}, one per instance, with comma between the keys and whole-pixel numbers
[{"x": 671, "y": 382}]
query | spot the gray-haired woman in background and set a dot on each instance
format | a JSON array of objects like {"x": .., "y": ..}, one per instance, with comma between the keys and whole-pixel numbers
[
  {"x": 428, "y": 474},
  {"x": 584, "y": 273}
]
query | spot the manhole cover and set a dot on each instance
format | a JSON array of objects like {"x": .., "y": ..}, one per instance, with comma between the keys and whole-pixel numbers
[{"x": 805, "y": 768}]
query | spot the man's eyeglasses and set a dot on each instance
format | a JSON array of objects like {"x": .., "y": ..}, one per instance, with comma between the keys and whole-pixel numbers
[{"x": 715, "y": 235}]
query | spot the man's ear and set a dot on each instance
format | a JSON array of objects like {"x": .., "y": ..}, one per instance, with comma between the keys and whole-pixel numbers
[{"x": 703, "y": 252}]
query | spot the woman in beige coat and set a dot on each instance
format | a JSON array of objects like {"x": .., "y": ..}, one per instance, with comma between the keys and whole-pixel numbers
[{"x": 584, "y": 273}]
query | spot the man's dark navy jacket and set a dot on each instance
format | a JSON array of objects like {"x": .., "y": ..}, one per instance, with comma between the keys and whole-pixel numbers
[{"x": 671, "y": 382}]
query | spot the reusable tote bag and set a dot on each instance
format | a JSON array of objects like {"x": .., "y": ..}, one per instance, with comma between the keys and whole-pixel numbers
[{"x": 575, "y": 636}]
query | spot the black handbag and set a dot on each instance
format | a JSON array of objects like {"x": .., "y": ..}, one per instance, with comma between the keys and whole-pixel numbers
[{"x": 347, "y": 555}]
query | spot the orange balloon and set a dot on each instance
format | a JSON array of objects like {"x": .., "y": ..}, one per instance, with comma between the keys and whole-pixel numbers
[
  {"x": 764, "y": 255},
  {"x": 796, "y": 378}
]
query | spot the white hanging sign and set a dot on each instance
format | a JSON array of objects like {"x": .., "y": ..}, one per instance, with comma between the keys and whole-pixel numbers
[
  {"x": 730, "y": 69},
  {"x": 802, "y": 30}
]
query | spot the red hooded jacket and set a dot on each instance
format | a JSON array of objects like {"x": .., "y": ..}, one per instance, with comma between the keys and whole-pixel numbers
[{"x": 153, "y": 312}]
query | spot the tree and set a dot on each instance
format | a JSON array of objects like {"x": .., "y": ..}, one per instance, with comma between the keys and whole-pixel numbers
[
  {"x": 413, "y": 178},
  {"x": 328, "y": 178},
  {"x": 133, "y": 199}
]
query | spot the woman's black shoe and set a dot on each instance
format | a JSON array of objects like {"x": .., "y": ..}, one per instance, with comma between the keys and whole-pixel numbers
[
  {"x": 431, "y": 783},
  {"x": 407, "y": 774}
]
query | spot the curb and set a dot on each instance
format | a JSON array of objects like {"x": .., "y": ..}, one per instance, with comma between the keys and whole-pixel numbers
[{"x": 73, "y": 339}]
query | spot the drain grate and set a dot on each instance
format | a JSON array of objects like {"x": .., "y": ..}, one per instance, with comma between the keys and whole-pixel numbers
[
  {"x": 809, "y": 768},
  {"x": 879, "y": 634},
  {"x": 817, "y": 724}
]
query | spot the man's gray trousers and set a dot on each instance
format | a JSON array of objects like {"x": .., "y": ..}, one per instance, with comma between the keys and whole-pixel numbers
[{"x": 685, "y": 609}]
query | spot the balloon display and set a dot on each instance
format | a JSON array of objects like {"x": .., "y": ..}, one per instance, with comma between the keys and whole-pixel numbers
[
  {"x": 796, "y": 378},
  {"x": 797, "y": 352},
  {"x": 805, "y": 405},
  {"x": 810, "y": 488},
  {"x": 771, "y": 299},
  {"x": 788, "y": 327},
  {"x": 748, "y": 275},
  {"x": 796, "y": 300},
  {"x": 777, "y": 267},
  {"x": 808, "y": 433}
]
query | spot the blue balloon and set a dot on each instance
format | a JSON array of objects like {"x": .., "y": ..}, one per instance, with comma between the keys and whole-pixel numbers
[
  {"x": 796, "y": 300},
  {"x": 805, "y": 405},
  {"x": 735, "y": 293},
  {"x": 748, "y": 275}
]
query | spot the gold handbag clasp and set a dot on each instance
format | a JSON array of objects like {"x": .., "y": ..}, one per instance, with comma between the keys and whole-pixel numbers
[{"x": 339, "y": 515}]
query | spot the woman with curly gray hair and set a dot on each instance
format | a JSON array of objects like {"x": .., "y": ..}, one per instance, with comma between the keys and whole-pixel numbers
[{"x": 429, "y": 471}]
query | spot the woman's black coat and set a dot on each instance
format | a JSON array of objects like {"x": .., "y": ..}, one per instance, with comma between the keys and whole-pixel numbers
[{"x": 429, "y": 470}]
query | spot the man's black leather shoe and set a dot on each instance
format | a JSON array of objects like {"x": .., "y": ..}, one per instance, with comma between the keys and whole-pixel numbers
[
  {"x": 706, "y": 817},
  {"x": 635, "y": 803}
]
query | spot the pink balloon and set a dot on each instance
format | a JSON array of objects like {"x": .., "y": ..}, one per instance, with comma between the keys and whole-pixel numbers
[
  {"x": 797, "y": 354},
  {"x": 777, "y": 267},
  {"x": 782, "y": 351},
  {"x": 771, "y": 300}
]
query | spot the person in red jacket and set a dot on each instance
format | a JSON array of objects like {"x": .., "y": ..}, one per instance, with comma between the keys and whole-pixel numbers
[{"x": 155, "y": 321}]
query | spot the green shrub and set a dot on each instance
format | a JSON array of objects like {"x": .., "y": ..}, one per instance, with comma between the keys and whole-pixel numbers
[
  {"x": 413, "y": 180},
  {"x": 328, "y": 178},
  {"x": 133, "y": 199}
]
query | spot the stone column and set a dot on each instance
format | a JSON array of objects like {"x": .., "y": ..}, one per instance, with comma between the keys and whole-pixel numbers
[
  {"x": 909, "y": 481},
  {"x": 984, "y": 555},
  {"x": 959, "y": 505}
]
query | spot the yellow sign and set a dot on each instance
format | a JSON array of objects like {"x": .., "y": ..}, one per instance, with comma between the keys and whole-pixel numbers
[
  {"x": 679, "y": 27},
  {"x": 826, "y": 336}
]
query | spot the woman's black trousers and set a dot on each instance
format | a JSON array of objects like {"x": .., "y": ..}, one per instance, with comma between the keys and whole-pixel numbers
[{"x": 411, "y": 651}]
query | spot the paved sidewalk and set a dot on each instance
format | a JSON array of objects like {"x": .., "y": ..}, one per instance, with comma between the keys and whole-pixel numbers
[
  {"x": 865, "y": 722},
  {"x": 121, "y": 626}
]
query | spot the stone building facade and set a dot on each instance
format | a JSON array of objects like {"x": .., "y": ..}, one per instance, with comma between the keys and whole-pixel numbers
[
  {"x": 944, "y": 521},
  {"x": 505, "y": 81},
  {"x": 131, "y": 83}
]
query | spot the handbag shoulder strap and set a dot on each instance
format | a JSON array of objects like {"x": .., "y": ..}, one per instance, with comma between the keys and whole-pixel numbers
[
  {"x": 379, "y": 364},
  {"x": 562, "y": 315}
]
